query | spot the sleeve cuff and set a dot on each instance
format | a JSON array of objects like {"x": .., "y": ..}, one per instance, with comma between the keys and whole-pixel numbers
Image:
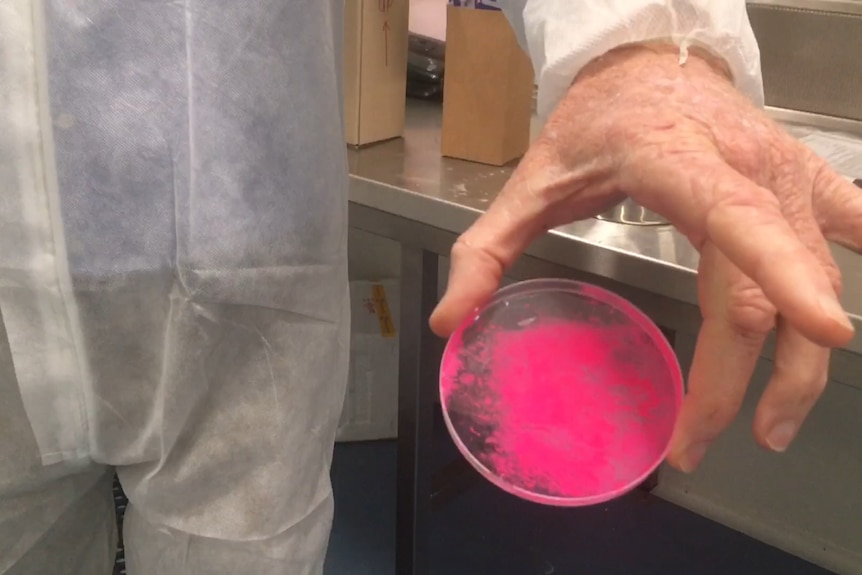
[{"x": 563, "y": 36}]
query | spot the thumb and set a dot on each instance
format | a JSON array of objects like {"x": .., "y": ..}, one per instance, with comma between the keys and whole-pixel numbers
[
  {"x": 479, "y": 259},
  {"x": 474, "y": 276},
  {"x": 541, "y": 194},
  {"x": 485, "y": 251}
]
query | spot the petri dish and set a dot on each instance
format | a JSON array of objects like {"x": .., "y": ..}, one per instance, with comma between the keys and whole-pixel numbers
[{"x": 561, "y": 392}]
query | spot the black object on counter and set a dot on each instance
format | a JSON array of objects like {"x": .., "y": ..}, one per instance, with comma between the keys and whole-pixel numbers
[
  {"x": 427, "y": 46},
  {"x": 425, "y": 67}
]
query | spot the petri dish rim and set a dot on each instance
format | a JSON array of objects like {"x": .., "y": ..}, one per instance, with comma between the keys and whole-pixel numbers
[{"x": 605, "y": 297}]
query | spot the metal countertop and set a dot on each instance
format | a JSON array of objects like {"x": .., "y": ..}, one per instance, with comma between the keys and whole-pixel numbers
[{"x": 409, "y": 179}]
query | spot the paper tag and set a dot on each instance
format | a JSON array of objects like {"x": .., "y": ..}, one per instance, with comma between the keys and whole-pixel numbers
[{"x": 381, "y": 308}]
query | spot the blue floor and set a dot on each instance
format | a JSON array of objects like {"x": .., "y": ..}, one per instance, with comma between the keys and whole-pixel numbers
[{"x": 487, "y": 532}]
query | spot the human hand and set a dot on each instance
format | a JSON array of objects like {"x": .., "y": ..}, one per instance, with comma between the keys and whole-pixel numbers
[{"x": 756, "y": 203}]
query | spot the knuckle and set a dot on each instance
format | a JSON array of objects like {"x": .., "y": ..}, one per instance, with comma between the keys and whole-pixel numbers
[
  {"x": 477, "y": 258},
  {"x": 805, "y": 392},
  {"x": 813, "y": 390},
  {"x": 463, "y": 250},
  {"x": 748, "y": 156},
  {"x": 719, "y": 412},
  {"x": 784, "y": 169},
  {"x": 803, "y": 382},
  {"x": 750, "y": 313},
  {"x": 731, "y": 198},
  {"x": 460, "y": 247}
]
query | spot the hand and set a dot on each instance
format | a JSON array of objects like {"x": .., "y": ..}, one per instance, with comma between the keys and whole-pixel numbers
[{"x": 756, "y": 203}]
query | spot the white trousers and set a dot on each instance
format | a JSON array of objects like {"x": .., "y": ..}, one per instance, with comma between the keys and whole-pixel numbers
[{"x": 213, "y": 503}]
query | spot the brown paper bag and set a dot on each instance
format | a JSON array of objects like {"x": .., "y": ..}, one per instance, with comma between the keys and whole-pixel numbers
[
  {"x": 375, "y": 69},
  {"x": 488, "y": 90}
]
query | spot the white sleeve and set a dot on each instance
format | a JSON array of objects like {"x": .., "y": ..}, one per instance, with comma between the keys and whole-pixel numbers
[{"x": 563, "y": 36}]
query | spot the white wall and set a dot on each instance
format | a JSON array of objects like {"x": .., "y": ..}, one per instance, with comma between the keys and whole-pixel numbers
[{"x": 428, "y": 18}]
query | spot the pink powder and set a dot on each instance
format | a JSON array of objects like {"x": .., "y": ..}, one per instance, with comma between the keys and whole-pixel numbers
[{"x": 560, "y": 409}]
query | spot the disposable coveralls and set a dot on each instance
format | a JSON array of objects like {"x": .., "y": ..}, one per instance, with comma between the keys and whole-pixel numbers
[{"x": 173, "y": 266}]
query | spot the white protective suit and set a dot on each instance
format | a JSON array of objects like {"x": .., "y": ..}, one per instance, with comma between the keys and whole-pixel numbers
[{"x": 173, "y": 292}]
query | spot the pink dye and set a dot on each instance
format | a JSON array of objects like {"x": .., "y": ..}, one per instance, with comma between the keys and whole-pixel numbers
[{"x": 578, "y": 410}]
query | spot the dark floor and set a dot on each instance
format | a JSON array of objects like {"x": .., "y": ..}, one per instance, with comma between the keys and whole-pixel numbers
[
  {"x": 120, "y": 503},
  {"x": 487, "y": 532}
]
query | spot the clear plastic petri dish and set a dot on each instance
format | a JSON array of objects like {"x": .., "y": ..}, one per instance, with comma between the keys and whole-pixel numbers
[{"x": 561, "y": 392}]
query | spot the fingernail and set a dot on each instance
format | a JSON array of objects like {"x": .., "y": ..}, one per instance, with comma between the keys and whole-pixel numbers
[
  {"x": 779, "y": 437},
  {"x": 834, "y": 310},
  {"x": 693, "y": 456}
]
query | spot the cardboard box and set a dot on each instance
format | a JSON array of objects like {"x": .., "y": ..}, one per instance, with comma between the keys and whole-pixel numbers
[
  {"x": 370, "y": 409},
  {"x": 488, "y": 89},
  {"x": 375, "y": 69}
]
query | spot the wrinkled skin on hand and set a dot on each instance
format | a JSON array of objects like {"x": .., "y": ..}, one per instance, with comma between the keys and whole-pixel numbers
[{"x": 757, "y": 204}]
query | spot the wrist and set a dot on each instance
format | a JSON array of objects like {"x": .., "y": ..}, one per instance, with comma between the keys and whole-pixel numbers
[{"x": 656, "y": 60}]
